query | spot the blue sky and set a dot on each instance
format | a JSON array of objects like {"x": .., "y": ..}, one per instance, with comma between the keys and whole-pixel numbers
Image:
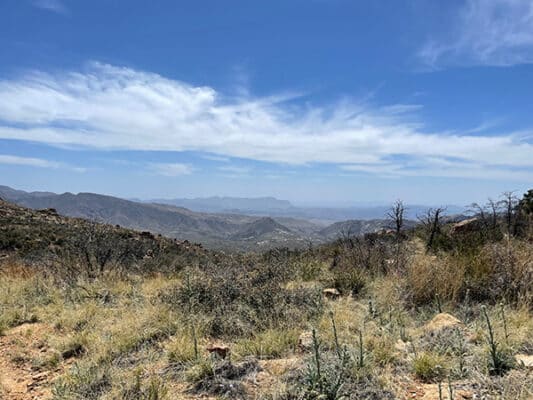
[{"x": 315, "y": 101}]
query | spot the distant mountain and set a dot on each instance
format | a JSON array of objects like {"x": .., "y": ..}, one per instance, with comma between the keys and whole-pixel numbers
[
  {"x": 216, "y": 230},
  {"x": 261, "y": 227},
  {"x": 228, "y": 204},
  {"x": 272, "y": 207}
]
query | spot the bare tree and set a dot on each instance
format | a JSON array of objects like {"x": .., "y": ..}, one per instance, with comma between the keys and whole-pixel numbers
[
  {"x": 396, "y": 215},
  {"x": 493, "y": 207},
  {"x": 509, "y": 204},
  {"x": 432, "y": 223}
]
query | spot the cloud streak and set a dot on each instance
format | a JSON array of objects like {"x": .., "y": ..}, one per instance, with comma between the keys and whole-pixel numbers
[
  {"x": 485, "y": 32},
  {"x": 170, "y": 169},
  {"x": 51, "y": 5},
  {"x": 8, "y": 159},
  {"x": 107, "y": 107}
]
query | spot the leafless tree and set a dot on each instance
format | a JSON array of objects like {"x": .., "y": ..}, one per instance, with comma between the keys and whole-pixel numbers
[
  {"x": 396, "y": 215},
  {"x": 509, "y": 204},
  {"x": 431, "y": 220},
  {"x": 493, "y": 207}
]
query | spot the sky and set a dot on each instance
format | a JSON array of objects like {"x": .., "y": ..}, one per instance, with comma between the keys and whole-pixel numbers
[{"x": 322, "y": 102}]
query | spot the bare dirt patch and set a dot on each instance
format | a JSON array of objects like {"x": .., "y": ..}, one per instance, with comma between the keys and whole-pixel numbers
[{"x": 28, "y": 365}]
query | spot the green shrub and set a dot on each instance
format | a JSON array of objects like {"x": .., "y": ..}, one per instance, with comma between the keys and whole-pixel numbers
[{"x": 428, "y": 367}]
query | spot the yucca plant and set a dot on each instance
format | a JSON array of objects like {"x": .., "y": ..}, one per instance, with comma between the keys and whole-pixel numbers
[{"x": 499, "y": 361}]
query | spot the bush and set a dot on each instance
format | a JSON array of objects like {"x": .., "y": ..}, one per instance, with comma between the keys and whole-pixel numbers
[
  {"x": 496, "y": 272},
  {"x": 429, "y": 367},
  {"x": 272, "y": 343},
  {"x": 242, "y": 301},
  {"x": 87, "y": 382}
]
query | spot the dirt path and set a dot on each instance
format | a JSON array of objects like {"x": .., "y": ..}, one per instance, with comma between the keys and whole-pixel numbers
[{"x": 24, "y": 371}]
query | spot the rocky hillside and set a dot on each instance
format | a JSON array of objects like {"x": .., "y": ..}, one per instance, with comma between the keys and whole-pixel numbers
[{"x": 46, "y": 236}]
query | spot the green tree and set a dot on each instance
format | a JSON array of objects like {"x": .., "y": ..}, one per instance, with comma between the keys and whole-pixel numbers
[{"x": 526, "y": 204}]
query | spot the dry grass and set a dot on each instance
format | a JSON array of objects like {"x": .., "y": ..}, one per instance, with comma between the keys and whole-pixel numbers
[{"x": 130, "y": 336}]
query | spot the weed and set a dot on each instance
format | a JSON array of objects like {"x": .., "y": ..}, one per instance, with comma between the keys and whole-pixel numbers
[{"x": 499, "y": 361}]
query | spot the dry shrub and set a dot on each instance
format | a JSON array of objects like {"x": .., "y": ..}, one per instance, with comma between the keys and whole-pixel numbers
[
  {"x": 272, "y": 343},
  {"x": 507, "y": 273},
  {"x": 242, "y": 300},
  {"x": 496, "y": 272},
  {"x": 429, "y": 276}
]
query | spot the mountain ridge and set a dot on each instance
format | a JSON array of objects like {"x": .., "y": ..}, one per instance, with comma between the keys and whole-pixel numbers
[{"x": 215, "y": 230}]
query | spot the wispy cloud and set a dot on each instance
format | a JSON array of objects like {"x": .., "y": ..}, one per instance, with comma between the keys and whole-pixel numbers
[
  {"x": 213, "y": 157},
  {"x": 56, "y": 6},
  {"x": 36, "y": 162},
  {"x": 170, "y": 169},
  {"x": 485, "y": 32},
  {"x": 107, "y": 107},
  {"x": 441, "y": 167},
  {"x": 233, "y": 169}
]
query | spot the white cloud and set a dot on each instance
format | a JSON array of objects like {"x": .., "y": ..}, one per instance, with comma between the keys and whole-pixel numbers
[
  {"x": 56, "y": 6},
  {"x": 435, "y": 167},
  {"x": 106, "y": 107},
  {"x": 212, "y": 157},
  {"x": 234, "y": 169},
  {"x": 35, "y": 162},
  {"x": 171, "y": 169},
  {"x": 485, "y": 32}
]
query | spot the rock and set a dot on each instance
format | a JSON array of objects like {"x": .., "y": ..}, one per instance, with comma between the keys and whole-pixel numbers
[
  {"x": 331, "y": 293},
  {"x": 464, "y": 394},
  {"x": 41, "y": 376},
  {"x": 524, "y": 360},
  {"x": 401, "y": 346},
  {"x": 220, "y": 350},
  {"x": 74, "y": 351},
  {"x": 305, "y": 341},
  {"x": 442, "y": 321},
  {"x": 467, "y": 225}
]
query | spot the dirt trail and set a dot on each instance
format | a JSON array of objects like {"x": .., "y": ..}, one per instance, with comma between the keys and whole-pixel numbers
[{"x": 24, "y": 373}]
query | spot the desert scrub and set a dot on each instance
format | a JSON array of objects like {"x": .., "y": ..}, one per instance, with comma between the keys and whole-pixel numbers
[
  {"x": 221, "y": 378},
  {"x": 184, "y": 347},
  {"x": 310, "y": 269},
  {"x": 333, "y": 375},
  {"x": 22, "y": 298},
  {"x": 271, "y": 343},
  {"x": 239, "y": 301},
  {"x": 84, "y": 381},
  {"x": 428, "y": 276},
  {"x": 429, "y": 367},
  {"x": 349, "y": 316},
  {"x": 381, "y": 349},
  {"x": 154, "y": 389}
]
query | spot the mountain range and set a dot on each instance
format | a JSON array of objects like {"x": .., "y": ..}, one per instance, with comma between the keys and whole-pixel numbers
[
  {"x": 272, "y": 207},
  {"x": 272, "y": 225}
]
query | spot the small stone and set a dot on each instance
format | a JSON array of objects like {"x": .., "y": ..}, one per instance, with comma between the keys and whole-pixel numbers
[
  {"x": 220, "y": 350},
  {"x": 331, "y": 293},
  {"x": 465, "y": 394},
  {"x": 305, "y": 341},
  {"x": 524, "y": 360}
]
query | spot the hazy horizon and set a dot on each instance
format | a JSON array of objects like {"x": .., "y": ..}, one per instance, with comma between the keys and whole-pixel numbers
[{"x": 296, "y": 203}]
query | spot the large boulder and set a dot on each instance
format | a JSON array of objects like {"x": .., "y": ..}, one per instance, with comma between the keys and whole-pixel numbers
[{"x": 465, "y": 226}]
